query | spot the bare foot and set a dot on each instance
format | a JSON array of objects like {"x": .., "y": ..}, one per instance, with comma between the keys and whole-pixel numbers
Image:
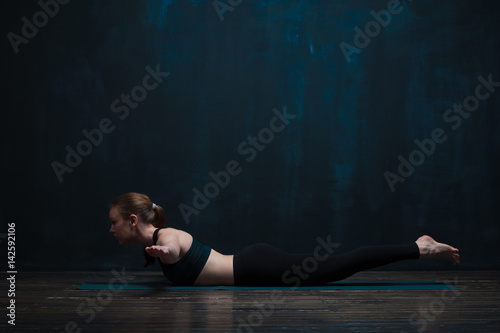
[{"x": 429, "y": 248}]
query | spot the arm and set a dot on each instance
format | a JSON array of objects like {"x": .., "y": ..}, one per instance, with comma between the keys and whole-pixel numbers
[{"x": 167, "y": 249}]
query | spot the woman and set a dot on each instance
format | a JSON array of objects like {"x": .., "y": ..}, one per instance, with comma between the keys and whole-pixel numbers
[{"x": 136, "y": 219}]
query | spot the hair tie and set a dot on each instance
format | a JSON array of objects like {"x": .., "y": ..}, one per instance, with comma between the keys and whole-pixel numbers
[{"x": 154, "y": 205}]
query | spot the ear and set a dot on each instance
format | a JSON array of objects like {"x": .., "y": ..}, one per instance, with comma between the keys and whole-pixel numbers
[{"x": 133, "y": 220}]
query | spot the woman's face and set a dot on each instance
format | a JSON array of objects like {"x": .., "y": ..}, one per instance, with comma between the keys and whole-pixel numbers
[{"x": 120, "y": 227}]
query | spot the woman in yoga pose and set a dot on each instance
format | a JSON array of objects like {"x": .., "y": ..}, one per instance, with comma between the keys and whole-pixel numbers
[{"x": 136, "y": 219}]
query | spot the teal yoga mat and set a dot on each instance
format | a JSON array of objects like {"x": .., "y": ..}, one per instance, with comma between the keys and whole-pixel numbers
[{"x": 351, "y": 285}]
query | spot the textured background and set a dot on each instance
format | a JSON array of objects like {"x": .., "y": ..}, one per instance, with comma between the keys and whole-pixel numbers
[{"x": 322, "y": 175}]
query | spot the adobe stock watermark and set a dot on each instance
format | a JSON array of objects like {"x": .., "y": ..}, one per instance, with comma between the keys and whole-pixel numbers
[
  {"x": 455, "y": 117},
  {"x": 372, "y": 29},
  {"x": 88, "y": 308},
  {"x": 29, "y": 29},
  {"x": 223, "y": 6},
  {"x": 295, "y": 276},
  {"x": 429, "y": 313},
  {"x": 120, "y": 106},
  {"x": 249, "y": 148}
]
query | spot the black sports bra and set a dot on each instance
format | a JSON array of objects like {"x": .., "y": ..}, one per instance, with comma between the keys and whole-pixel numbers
[{"x": 186, "y": 270}]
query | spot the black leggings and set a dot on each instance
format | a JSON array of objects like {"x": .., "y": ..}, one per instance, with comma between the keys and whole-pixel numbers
[{"x": 266, "y": 265}]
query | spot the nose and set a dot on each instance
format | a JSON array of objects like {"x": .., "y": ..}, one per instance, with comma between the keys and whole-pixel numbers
[{"x": 111, "y": 230}]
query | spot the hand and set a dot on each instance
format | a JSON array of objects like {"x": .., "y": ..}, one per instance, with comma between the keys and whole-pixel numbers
[{"x": 157, "y": 251}]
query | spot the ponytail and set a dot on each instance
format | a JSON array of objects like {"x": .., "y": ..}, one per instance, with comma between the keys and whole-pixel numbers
[{"x": 159, "y": 219}]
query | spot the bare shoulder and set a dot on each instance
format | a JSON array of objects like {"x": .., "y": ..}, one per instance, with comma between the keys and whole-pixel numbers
[
  {"x": 176, "y": 236},
  {"x": 166, "y": 232}
]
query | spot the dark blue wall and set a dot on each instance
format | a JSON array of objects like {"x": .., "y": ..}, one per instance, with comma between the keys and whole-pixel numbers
[{"x": 356, "y": 115}]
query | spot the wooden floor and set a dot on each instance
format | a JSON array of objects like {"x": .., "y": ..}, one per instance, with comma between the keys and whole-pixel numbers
[{"x": 50, "y": 302}]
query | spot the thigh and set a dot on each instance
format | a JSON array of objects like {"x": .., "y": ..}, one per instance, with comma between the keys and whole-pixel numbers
[{"x": 263, "y": 264}]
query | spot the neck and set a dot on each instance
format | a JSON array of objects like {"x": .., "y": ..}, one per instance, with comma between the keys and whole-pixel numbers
[{"x": 145, "y": 235}]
